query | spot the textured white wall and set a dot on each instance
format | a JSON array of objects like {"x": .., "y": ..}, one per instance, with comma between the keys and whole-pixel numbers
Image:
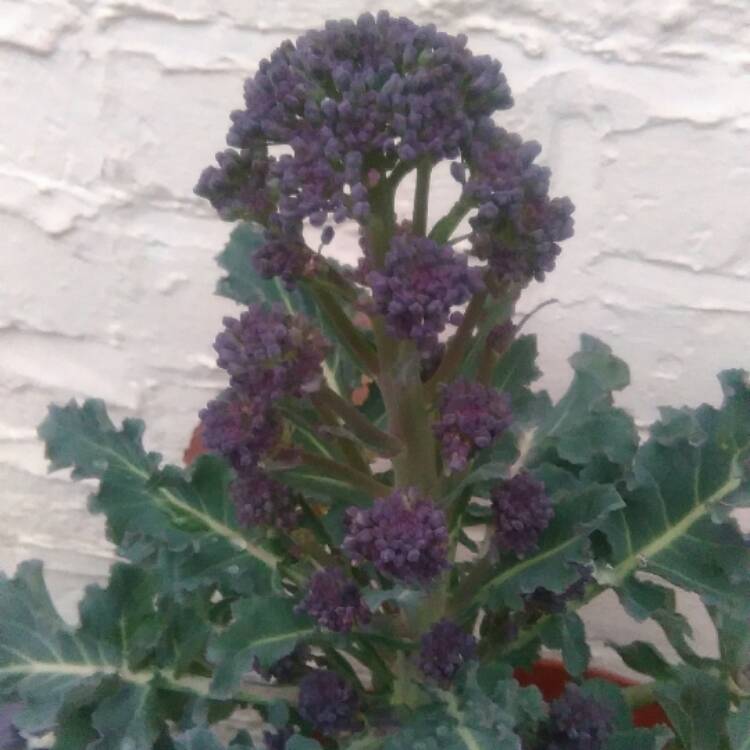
[{"x": 110, "y": 108}]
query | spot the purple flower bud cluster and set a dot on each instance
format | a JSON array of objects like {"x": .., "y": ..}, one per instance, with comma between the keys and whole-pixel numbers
[
  {"x": 334, "y": 601},
  {"x": 418, "y": 287},
  {"x": 10, "y": 739},
  {"x": 517, "y": 227},
  {"x": 239, "y": 188},
  {"x": 283, "y": 254},
  {"x": 288, "y": 669},
  {"x": 501, "y": 336},
  {"x": 522, "y": 511},
  {"x": 471, "y": 417},
  {"x": 328, "y": 702},
  {"x": 271, "y": 354},
  {"x": 277, "y": 740},
  {"x": 356, "y": 93},
  {"x": 260, "y": 500},
  {"x": 445, "y": 648},
  {"x": 240, "y": 428},
  {"x": 576, "y": 722},
  {"x": 542, "y": 601},
  {"x": 404, "y": 536}
]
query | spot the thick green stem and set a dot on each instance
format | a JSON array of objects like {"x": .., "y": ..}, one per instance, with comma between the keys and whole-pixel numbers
[
  {"x": 416, "y": 466},
  {"x": 399, "y": 373},
  {"x": 349, "y": 335},
  {"x": 362, "y": 428},
  {"x": 345, "y": 473},
  {"x": 458, "y": 345},
  {"x": 421, "y": 198}
]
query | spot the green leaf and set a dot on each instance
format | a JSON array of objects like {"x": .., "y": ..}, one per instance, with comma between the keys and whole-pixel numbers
[
  {"x": 644, "y": 658},
  {"x": 129, "y": 718},
  {"x": 646, "y": 599},
  {"x": 298, "y": 742},
  {"x": 514, "y": 373},
  {"x": 739, "y": 727},
  {"x": 566, "y": 633},
  {"x": 483, "y": 714},
  {"x": 639, "y": 739},
  {"x": 84, "y": 439},
  {"x": 563, "y": 545},
  {"x": 263, "y": 628},
  {"x": 734, "y": 640},
  {"x": 204, "y": 739},
  {"x": 674, "y": 523},
  {"x": 697, "y": 705},
  {"x": 516, "y": 370},
  {"x": 585, "y": 423},
  {"x": 151, "y": 508},
  {"x": 243, "y": 283},
  {"x": 199, "y": 739},
  {"x": 96, "y": 676},
  {"x": 75, "y": 730}
]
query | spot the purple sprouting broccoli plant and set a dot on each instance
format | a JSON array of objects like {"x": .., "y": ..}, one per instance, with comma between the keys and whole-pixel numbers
[{"x": 389, "y": 518}]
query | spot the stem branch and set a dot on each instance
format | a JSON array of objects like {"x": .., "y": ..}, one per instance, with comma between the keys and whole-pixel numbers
[
  {"x": 345, "y": 473},
  {"x": 444, "y": 228},
  {"x": 421, "y": 198},
  {"x": 386, "y": 444},
  {"x": 348, "y": 333},
  {"x": 458, "y": 345}
]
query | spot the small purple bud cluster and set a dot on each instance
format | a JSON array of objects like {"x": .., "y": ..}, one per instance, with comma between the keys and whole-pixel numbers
[
  {"x": 517, "y": 227},
  {"x": 418, "y": 287},
  {"x": 328, "y": 702},
  {"x": 288, "y": 669},
  {"x": 522, "y": 511},
  {"x": 260, "y": 500},
  {"x": 277, "y": 740},
  {"x": 471, "y": 417},
  {"x": 576, "y": 722},
  {"x": 404, "y": 536},
  {"x": 542, "y": 601},
  {"x": 501, "y": 336},
  {"x": 445, "y": 648},
  {"x": 284, "y": 254},
  {"x": 238, "y": 188},
  {"x": 240, "y": 428},
  {"x": 334, "y": 601},
  {"x": 271, "y": 354},
  {"x": 10, "y": 739}
]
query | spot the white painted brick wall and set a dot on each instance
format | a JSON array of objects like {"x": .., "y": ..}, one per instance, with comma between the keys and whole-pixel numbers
[{"x": 110, "y": 108}]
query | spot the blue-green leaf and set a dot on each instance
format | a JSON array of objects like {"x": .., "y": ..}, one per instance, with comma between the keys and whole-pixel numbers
[
  {"x": 158, "y": 509},
  {"x": 263, "y": 628}
]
